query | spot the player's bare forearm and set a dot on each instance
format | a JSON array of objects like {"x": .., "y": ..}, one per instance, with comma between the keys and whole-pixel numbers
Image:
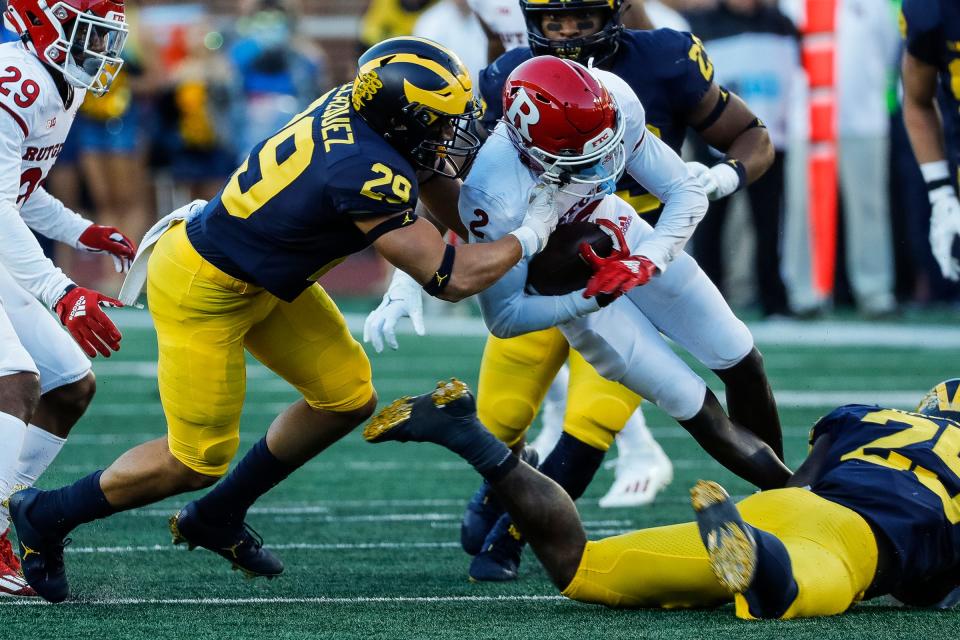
[
  {"x": 440, "y": 196},
  {"x": 480, "y": 265},
  {"x": 920, "y": 114},
  {"x": 419, "y": 250},
  {"x": 735, "y": 133}
]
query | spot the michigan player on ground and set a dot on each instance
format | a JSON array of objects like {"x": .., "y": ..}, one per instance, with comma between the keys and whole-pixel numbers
[
  {"x": 673, "y": 77},
  {"x": 872, "y": 511},
  {"x": 65, "y": 50},
  {"x": 932, "y": 32},
  {"x": 238, "y": 274}
]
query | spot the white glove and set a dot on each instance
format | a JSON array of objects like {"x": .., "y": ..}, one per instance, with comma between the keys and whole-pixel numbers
[
  {"x": 543, "y": 214},
  {"x": 944, "y": 228},
  {"x": 717, "y": 181},
  {"x": 403, "y": 298}
]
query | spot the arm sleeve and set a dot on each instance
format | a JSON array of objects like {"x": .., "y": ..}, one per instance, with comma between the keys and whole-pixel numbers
[
  {"x": 20, "y": 253},
  {"x": 508, "y": 310},
  {"x": 658, "y": 168},
  {"x": 48, "y": 216},
  {"x": 921, "y": 27}
]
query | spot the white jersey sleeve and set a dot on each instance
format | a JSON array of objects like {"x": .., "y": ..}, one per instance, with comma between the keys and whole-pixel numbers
[
  {"x": 663, "y": 173},
  {"x": 20, "y": 253},
  {"x": 508, "y": 310},
  {"x": 33, "y": 127},
  {"x": 47, "y": 215}
]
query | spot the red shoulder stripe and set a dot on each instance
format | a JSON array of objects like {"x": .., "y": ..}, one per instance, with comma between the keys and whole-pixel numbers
[{"x": 16, "y": 117}]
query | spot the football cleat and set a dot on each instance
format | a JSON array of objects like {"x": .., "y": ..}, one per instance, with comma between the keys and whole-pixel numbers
[
  {"x": 241, "y": 546},
  {"x": 639, "y": 477},
  {"x": 729, "y": 542},
  {"x": 484, "y": 510},
  {"x": 41, "y": 555},
  {"x": 7, "y": 557},
  {"x": 499, "y": 561},
  {"x": 423, "y": 418}
]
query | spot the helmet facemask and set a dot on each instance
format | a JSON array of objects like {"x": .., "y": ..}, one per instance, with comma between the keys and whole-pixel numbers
[
  {"x": 597, "y": 47},
  {"x": 439, "y": 142},
  {"x": 88, "y": 49},
  {"x": 592, "y": 172}
]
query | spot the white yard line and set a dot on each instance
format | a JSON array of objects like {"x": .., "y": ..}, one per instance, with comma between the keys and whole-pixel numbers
[
  {"x": 317, "y": 600},
  {"x": 825, "y": 333}
]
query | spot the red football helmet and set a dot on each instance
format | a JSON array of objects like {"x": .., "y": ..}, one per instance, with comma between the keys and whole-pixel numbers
[
  {"x": 81, "y": 38},
  {"x": 566, "y": 124}
]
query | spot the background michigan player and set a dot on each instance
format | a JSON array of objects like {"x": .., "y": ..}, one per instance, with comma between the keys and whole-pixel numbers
[
  {"x": 239, "y": 274},
  {"x": 871, "y": 511},
  {"x": 932, "y": 32}
]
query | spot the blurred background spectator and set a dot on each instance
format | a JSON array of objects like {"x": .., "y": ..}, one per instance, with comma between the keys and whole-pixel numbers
[
  {"x": 205, "y": 81},
  {"x": 755, "y": 52}
]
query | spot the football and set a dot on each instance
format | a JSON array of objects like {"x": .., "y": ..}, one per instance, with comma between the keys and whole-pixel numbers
[{"x": 559, "y": 269}]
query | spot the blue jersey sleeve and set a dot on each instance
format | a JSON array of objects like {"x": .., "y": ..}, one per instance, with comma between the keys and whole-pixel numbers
[
  {"x": 840, "y": 418},
  {"x": 687, "y": 67},
  {"x": 362, "y": 187},
  {"x": 921, "y": 25},
  {"x": 492, "y": 79}
]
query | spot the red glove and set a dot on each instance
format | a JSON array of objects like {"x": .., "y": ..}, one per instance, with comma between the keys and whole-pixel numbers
[
  {"x": 619, "y": 272},
  {"x": 79, "y": 311},
  {"x": 100, "y": 239}
]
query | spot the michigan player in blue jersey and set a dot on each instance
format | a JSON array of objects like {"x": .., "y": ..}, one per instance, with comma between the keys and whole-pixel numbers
[
  {"x": 240, "y": 275},
  {"x": 932, "y": 32},
  {"x": 673, "y": 76},
  {"x": 873, "y": 510}
]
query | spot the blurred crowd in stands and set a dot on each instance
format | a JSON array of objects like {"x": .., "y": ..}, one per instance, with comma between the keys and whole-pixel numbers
[{"x": 205, "y": 81}]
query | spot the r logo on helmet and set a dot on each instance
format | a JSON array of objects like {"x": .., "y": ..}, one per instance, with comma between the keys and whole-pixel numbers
[{"x": 523, "y": 113}]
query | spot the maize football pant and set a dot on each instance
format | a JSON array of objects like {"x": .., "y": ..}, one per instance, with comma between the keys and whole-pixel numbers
[{"x": 831, "y": 548}]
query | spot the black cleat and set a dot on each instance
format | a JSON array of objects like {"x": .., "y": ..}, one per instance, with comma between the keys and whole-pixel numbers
[
  {"x": 728, "y": 540},
  {"x": 424, "y": 418},
  {"x": 499, "y": 560},
  {"x": 41, "y": 553},
  {"x": 241, "y": 546}
]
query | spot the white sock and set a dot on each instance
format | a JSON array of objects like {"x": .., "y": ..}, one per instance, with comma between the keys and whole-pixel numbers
[
  {"x": 13, "y": 430},
  {"x": 39, "y": 450},
  {"x": 635, "y": 438}
]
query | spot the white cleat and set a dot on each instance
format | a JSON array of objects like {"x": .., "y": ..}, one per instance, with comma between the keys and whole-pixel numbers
[{"x": 639, "y": 478}]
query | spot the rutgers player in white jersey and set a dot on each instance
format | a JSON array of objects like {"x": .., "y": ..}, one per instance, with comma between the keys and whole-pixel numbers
[
  {"x": 66, "y": 48},
  {"x": 562, "y": 125}
]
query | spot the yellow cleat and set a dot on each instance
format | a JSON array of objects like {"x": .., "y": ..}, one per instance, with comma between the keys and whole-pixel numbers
[
  {"x": 396, "y": 413},
  {"x": 447, "y": 392},
  {"x": 729, "y": 543}
]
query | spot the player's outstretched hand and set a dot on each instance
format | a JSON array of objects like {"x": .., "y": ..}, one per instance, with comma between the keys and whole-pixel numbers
[
  {"x": 944, "y": 229},
  {"x": 79, "y": 311},
  {"x": 617, "y": 273},
  {"x": 102, "y": 239},
  {"x": 717, "y": 181},
  {"x": 403, "y": 298}
]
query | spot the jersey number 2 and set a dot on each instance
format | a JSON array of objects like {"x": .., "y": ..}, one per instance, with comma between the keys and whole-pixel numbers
[{"x": 279, "y": 162}]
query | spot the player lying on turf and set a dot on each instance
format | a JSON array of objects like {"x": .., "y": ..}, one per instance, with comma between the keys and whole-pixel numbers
[
  {"x": 240, "y": 275},
  {"x": 583, "y": 128},
  {"x": 65, "y": 49},
  {"x": 871, "y": 511}
]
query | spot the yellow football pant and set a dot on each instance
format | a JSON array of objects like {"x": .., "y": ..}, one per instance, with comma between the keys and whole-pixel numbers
[
  {"x": 831, "y": 548},
  {"x": 516, "y": 373},
  {"x": 204, "y": 321}
]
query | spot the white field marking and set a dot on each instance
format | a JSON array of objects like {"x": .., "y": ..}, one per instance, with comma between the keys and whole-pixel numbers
[
  {"x": 305, "y": 546},
  {"x": 33, "y": 602},
  {"x": 780, "y": 332}
]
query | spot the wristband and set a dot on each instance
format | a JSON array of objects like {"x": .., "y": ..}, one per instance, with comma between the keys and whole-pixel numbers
[
  {"x": 70, "y": 287},
  {"x": 528, "y": 239},
  {"x": 741, "y": 170}
]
